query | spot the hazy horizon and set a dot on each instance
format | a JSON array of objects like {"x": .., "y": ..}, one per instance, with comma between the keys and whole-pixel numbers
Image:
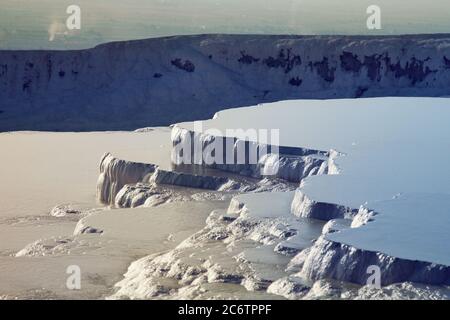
[{"x": 25, "y": 24}]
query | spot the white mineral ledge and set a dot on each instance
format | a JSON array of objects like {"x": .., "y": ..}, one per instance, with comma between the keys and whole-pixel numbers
[{"x": 396, "y": 156}]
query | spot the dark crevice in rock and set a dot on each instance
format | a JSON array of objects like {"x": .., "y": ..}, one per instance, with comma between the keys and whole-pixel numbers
[
  {"x": 324, "y": 70},
  {"x": 26, "y": 85},
  {"x": 285, "y": 59},
  {"x": 360, "y": 91},
  {"x": 413, "y": 70},
  {"x": 373, "y": 65},
  {"x": 446, "y": 62},
  {"x": 3, "y": 70},
  {"x": 350, "y": 62},
  {"x": 49, "y": 68},
  {"x": 246, "y": 58},
  {"x": 295, "y": 81},
  {"x": 187, "y": 65}
]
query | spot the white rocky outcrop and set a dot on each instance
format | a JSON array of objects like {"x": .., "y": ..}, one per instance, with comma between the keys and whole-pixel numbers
[
  {"x": 290, "y": 287},
  {"x": 180, "y": 179},
  {"x": 132, "y": 196},
  {"x": 336, "y": 225},
  {"x": 220, "y": 253},
  {"x": 334, "y": 259},
  {"x": 258, "y": 159},
  {"x": 64, "y": 210},
  {"x": 303, "y": 206},
  {"x": 82, "y": 228},
  {"x": 329, "y": 259},
  {"x": 116, "y": 173},
  {"x": 395, "y": 216},
  {"x": 129, "y": 184}
]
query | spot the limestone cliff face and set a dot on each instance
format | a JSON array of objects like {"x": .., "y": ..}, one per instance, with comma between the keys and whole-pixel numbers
[
  {"x": 292, "y": 164},
  {"x": 116, "y": 173},
  {"x": 126, "y": 85},
  {"x": 328, "y": 259}
]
